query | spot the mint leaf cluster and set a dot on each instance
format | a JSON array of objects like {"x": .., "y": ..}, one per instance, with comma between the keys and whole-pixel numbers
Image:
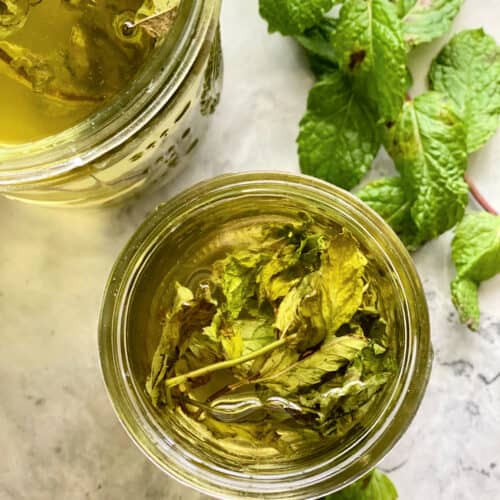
[{"x": 360, "y": 103}]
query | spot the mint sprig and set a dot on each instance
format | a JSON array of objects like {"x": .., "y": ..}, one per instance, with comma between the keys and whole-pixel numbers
[{"x": 360, "y": 57}]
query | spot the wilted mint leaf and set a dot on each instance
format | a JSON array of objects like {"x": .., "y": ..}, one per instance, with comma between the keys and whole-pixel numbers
[
  {"x": 328, "y": 298},
  {"x": 293, "y": 17},
  {"x": 330, "y": 357},
  {"x": 188, "y": 316},
  {"x": 236, "y": 276},
  {"x": 428, "y": 146},
  {"x": 476, "y": 254},
  {"x": 370, "y": 47},
  {"x": 468, "y": 70},
  {"x": 338, "y": 138},
  {"x": 389, "y": 198},
  {"x": 157, "y": 17},
  {"x": 298, "y": 255},
  {"x": 374, "y": 486},
  {"x": 426, "y": 20},
  {"x": 255, "y": 334}
]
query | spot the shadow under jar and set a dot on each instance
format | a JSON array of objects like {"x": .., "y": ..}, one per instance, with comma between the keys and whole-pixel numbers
[
  {"x": 178, "y": 242},
  {"x": 142, "y": 137}
]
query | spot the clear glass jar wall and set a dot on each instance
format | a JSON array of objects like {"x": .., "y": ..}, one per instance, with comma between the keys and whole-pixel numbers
[
  {"x": 142, "y": 138},
  {"x": 172, "y": 244}
]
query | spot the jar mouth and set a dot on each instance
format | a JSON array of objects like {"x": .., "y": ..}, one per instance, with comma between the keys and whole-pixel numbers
[
  {"x": 310, "y": 480},
  {"x": 119, "y": 120}
]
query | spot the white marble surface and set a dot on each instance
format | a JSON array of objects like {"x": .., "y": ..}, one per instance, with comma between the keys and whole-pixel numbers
[{"x": 59, "y": 439}]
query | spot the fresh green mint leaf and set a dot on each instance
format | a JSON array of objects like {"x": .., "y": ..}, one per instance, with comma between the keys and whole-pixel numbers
[
  {"x": 476, "y": 254},
  {"x": 370, "y": 47},
  {"x": 389, "y": 198},
  {"x": 428, "y": 146},
  {"x": 468, "y": 70},
  {"x": 403, "y": 6},
  {"x": 293, "y": 17},
  {"x": 374, "y": 486},
  {"x": 338, "y": 137},
  {"x": 318, "y": 43},
  {"x": 319, "y": 39},
  {"x": 425, "y": 20}
]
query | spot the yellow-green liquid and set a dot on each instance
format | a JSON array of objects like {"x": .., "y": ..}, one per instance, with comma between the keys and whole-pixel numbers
[{"x": 109, "y": 63}]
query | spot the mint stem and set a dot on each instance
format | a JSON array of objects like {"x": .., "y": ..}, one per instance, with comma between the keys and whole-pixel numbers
[
  {"x": 483, "y": 202},
  {"x": 206, "y": 370}
]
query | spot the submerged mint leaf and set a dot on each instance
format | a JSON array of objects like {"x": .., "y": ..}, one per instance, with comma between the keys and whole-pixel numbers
[
  {"x": 338, "y": 137},
  {"x": 333, "y": 354},
  {"x": 297, "y": 255},
  {"x": 425, "y": 20},
  {"x": 476, "y": 255},
  {"x": 293, "y": 17},
  {"x": 236, "y": 276},
  {"x": 188, "y": 316},
  {"x": 328, "y": 298},
  {"x": 374, "y": 486},
  {"x": 428, "y": 146},
  {"x": 370, "y": 47},
  {"x": 468, "y": 70}
]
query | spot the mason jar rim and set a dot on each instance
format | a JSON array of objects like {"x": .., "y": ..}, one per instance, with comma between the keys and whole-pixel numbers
[
  {"x": 146, "y": 432},
  {"x": 114, "y": 124}
]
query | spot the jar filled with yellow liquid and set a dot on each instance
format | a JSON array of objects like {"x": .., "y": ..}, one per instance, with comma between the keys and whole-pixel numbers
[{"x": 101, "y": 98}]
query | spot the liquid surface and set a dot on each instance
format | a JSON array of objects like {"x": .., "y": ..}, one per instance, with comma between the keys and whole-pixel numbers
[{"x": 61, "y": 60}]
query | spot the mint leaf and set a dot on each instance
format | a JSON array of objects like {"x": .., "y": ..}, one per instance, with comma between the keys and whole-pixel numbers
[
  {"x": 426, "y": 20},
  {"x": 403, "y": 6},
  {"x": 370, "y": 46},
  {"x": 318, "y": 40},
  {"x": 189, "y": 315},
  {"x": 476, "y": 254},
  {"x": 428, "y": 146},
  {"x": 327, "y": 298},
  {"x": 330, "y": 357},
  {"x": 318, "y": 43},
  {"x": 468, "y": 70},
  {"x": 293, "y": 17},
  {"x": 374, "y": 486},
  {"x": 388, "y": 197},
  {"x": 465, "y": 298},
  {"x": 338, "y": 138}
]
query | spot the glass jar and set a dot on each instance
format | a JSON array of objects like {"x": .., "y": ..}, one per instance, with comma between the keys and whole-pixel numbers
[
  {"x": 142, "y": 137},
  {"x": 176, "y": 239}
]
